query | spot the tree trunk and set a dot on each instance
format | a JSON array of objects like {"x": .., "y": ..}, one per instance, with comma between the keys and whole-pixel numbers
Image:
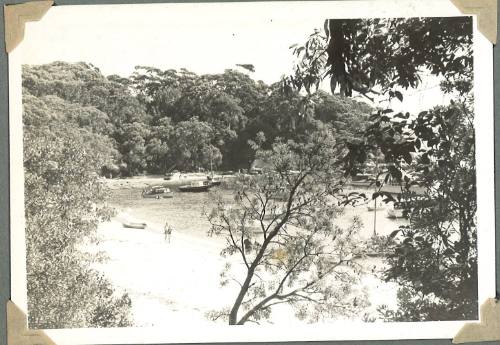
[{"x": 233, "y": 315}]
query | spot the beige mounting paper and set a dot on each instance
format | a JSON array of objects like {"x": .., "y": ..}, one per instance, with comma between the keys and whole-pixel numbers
[
  {"x": 18, "y": 332},
  {"x": 486, "y": 11},
  {"x": 15, "y": 17},
  {"x": 487, "y": 330}
]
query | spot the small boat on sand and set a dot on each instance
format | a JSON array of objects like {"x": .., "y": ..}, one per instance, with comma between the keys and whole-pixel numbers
[
  {"x": 134, "y": 225},
  {"x": 196, "y": 187}
]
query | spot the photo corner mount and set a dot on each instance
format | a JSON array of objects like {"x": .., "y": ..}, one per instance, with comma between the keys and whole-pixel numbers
[
  {"x": 18, "y": 332},
  {"x": 16, "y": 16},
  {"x": 486, "y": 12},
  {"x": 487, "y": 330}
]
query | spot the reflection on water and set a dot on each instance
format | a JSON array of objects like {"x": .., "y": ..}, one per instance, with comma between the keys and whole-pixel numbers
[{"x": 185, "y": 211}]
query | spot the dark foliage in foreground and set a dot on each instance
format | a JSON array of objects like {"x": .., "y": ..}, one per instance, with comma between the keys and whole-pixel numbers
[{"x": 435, "y": 257}]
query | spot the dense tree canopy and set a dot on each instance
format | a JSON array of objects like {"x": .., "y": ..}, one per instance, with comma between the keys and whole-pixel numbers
[
  {"x": 63, "y": 205},
  {"x": 153, "y": 118},
  {"x": 434, "y": 258}
]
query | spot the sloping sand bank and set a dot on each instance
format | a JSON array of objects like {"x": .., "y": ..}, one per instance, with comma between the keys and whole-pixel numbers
[
  {"x": 167, "y": 282},
  {"x": 177, "y": 282}
]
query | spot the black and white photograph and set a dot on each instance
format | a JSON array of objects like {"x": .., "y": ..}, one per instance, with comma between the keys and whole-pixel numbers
[{"x": 187, "y": 166}]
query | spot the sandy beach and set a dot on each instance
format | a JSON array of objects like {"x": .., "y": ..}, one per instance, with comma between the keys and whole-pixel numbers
[
  {"x": 167, "y": 281},
  {"x": 178, "y": 280}
]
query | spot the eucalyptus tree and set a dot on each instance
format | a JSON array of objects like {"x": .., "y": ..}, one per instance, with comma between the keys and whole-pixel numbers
[{"x": 283, "y": 245}]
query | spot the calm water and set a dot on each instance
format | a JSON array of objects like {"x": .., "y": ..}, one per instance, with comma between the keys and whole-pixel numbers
[{"x": 185, "y": 211}]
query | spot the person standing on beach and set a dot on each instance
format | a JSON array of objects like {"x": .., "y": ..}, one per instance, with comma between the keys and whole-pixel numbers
[{"x": 167, "y": 231}]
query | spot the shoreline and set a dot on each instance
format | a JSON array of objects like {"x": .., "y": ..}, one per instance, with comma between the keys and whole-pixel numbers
[
  {"x": 180, "y": 278},
  {"x": 156, "y": 228},
  {"x": 140, "y": 182},
  {"x": 165, "y": 277},
  {"x": 161, "y": 277}
]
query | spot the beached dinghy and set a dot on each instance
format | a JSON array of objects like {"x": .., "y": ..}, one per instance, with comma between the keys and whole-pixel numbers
[{"x": 134, "y": 225}]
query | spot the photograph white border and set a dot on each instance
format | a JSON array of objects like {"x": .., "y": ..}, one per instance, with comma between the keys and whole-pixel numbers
[{"x": 483, "y": 67}]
